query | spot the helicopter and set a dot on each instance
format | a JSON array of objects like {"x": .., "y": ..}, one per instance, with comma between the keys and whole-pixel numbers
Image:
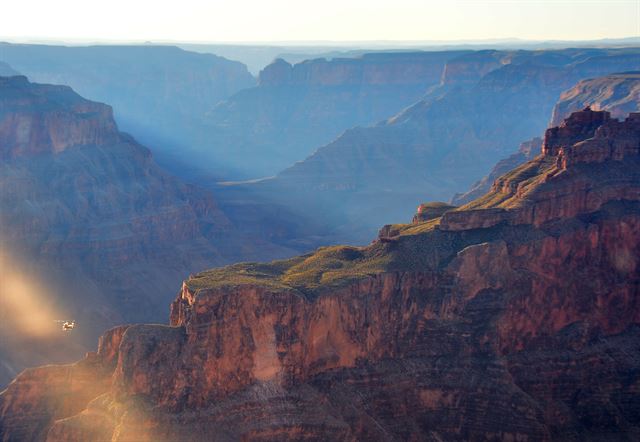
[{"x": 67, "y": 325}]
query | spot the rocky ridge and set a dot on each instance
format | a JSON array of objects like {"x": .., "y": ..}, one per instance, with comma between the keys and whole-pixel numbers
[
  {"x": 55, "y": 120},
  {"x": 513, "y": 317},
  {"x": 526, "y": 152},
  {"x": 616, "y": 93}
]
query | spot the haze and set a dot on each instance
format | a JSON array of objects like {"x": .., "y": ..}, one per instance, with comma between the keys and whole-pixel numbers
[{"x": 330, "y": 20}]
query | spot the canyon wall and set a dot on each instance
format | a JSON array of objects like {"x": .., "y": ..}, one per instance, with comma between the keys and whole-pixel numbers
[
  {"x": 443, "y": 143},
  {"x": 160, "y": 94},
  {"x": 514, "y": 317},
  {"x": 296, "y": 108},
  {"x": 90, "y": 227}
]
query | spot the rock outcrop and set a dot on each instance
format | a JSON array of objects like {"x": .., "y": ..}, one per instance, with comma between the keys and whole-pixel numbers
[
  {"x": 579, "y": 126},
  {"x": 54, "y": 120},
  {"x": 101, "y": 226},
  {"x": 618, "y": 94},
  {"x": 530, "y": 195},
  {"x": 429, "y": 211},
  {"x": 515, "y": 317}
]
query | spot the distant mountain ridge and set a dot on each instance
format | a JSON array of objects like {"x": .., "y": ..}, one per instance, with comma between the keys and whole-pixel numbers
[
  {"x": 257, "y": 56},
  {"x": 296, "y": 108},
  {"x": 618, "y": 93},
  {"x": 489, "y": 102}
]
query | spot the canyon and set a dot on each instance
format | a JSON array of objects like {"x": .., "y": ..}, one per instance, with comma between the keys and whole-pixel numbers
[
  {"x": 344, "y": 136},
  {"x": 618, "y": 94},
  {"x": 513, "y": 317},
  {"x": 160, "y": 94},
  {"x": 85, "y": 210},
  {"x": 487, "y": 104},
  {"x": 296, "y": 108}
]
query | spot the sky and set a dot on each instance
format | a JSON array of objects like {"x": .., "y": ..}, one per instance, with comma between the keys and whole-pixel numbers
[{"x": 324, "y": 20}]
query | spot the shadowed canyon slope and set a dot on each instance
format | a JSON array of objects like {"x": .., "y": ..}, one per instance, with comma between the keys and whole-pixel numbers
[
  {"x": 515, "y": 317},
  {"x": 526, "y": 151},
  {"x": 158, "y": 93},
  {"x": 173, "y": 100},
  {"x": 488, "y": 103},
  {"x": 296, "y": 108},
  {"x": 106, "y": 230}
]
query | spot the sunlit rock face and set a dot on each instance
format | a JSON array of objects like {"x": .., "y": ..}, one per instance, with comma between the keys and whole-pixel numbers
[
  {"x": 39, "y": 119},
  {"x": 88, "y": 214},
  {"x": 618, "y": 94},
  {"x": 515, "y": 317}
]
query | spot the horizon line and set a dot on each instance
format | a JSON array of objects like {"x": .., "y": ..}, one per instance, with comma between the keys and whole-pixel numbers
[{"x": 338, "y": 43}]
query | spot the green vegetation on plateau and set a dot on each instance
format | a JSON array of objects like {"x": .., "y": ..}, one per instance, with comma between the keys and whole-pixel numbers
[{"x": 419, "y": 246}]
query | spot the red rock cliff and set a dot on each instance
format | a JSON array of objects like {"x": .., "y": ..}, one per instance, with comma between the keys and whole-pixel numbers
[
  {"x": 516, "y": 317},
  {"x": 559, "y": 183}
]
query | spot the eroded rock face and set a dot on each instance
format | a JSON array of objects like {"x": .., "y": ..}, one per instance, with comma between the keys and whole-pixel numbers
[
  {"x": 159, "y": 93},
  {"x": 55, "y": 119},
  {"x": 579, "y": 126},
  {"x": 522, "y": 324},
  {"x": 470, "y": 68},
  {"x": 618, "y": 94},
  {"x": 296, "y": 108},
  {"x": 556, "y": 184},
  {"x": 39, "y": 396},
  {"x": 107, "y": 230},
  {"x": 429, "y": 211}
]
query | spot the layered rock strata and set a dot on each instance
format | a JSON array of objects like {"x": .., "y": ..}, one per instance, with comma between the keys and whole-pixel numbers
[
  {"x": 87, "y": 214},
  {"x": 615, "y": 93},
  {"x": 515, "y": 317},
  {"x": 618, "y": 94}
]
